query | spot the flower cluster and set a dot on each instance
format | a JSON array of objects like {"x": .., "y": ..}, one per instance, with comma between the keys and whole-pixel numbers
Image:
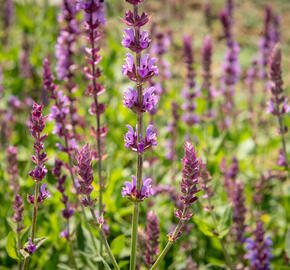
[
  {"x": 190, "y": 179},
  {"x": 271, "y": 36},
  {"x": 18, "y": 207},
  {"x": 59, "y": 110},
  {"x": 84, "y": 169},
  {"x": 43, "y": 194},
  {"x": 67, "y": 212},
  {"x": 206, "y": 52},
  {"x": 31, "y": 248},
  {"x": 259, "y": 252},
  {"x": 231, "y": 68},
  {"x": 239, "y": 212},
  {"x": 150, "y": 100},
  {"x": 131, "y": 139},
  {"x": 12, "y": 167},
  {"x": 130, "y": 190},
  {"x": 189, "y": 92},
  {"x": 37, "y": 124},
  {"x": 278, "y": 105},
  {"x": 152, "y": 237}
]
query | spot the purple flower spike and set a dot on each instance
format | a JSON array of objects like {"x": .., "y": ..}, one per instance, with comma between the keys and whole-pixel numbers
[
  {"x": 129, "y": 40},
  {"x": 150, "y": 99},
  {"x": 130, "y": 190}
]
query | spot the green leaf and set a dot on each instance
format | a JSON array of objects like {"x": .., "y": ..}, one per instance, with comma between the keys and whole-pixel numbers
[
  {"x": 203, "y": 227},
  {"x": 39, "y": 241},
  {"x": 63, "y": 266},
  {"x": 11, "y": 246},
  {"x": 80, "y": 237},
  {"x": 118, "y": 244},
  {"x": 225, "y": 222},
  {"x": 287, "y": 243}
]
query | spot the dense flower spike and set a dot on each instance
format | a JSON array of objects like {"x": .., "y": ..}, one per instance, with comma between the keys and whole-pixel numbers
[
  {"x": 239, "y": 212},
  {"x": 231, "y": 68},
  {"x": 18, "y": 207},
  {"x": 59, "y": 111},
  {"x": 259, "y": 252},
  {"x": 84, "y": 159},
  {"x": 190, "y": 175},
  {"x": 270, "y": 38},
  {"x": 189, "y": 92},
  {"x": 278, "y": 105},
  {"x": 37, "y": 124},
  {"x": 206, "y": 52},
  {"x": 12, "y": 168},
  {"x": 152, "y": 237}
]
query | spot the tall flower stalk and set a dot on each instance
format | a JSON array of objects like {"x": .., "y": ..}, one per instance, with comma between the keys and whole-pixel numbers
[
  {"x": 139, "y": 69},
  {"x": 278, "y": 105},
  {"x": 94, "y": 19},
  {"x": 189, "y": 188},
  {"x": 37, "y": 125},
  {"x": 64, "y": 52}
]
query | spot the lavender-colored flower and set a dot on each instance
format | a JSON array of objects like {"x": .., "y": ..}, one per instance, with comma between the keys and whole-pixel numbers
[
  {"x": 152, "y": 237},
  {"x": 259, "y": 252},
  {"x": 94, "y": 12},
  {"x": 84, "y": 159},
  {"x": 131, "y": 139},
  {"x": 31, "y": 248},
  {"x": 12, "y": 167},
  {"x": 130, "y": 42},
  {"x": 130, "y": 190},
  {"x": 135, "y": 2},
  {"x": 130, "y": 98},
  {"x": 43, "y": 194},
  {"x": 135, "y": 20}
]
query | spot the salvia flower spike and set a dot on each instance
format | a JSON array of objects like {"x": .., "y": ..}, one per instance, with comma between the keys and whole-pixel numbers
[{"x": 139, "y": 68}]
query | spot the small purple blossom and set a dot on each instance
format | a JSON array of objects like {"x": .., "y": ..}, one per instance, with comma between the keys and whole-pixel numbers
[
  {"x": 129, "y": 40},
  {"x": 130, "y": 190},
  {"x": 31, "y": 247},
  {"x": 43, "y": 194}
]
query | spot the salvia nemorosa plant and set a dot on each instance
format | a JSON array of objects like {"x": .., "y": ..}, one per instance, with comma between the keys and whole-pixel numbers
[
  {"x": 85, "y": 188},
  {"x": 7, "y": 16},
  {"x": 64, "y": 52},
  {"x": 189, "y": 188},
  {"x": 278, "y": 104},
  {"x": 259, "y": 251},
  {"x": 231, "y": 68},
  {"x": 207, "y": 85},
  {"x": 94, "y": 19},
  {"x": 36, "y": 125},
  {"x": 139, "y": 69},
  {"x": 189, "y": 92}
]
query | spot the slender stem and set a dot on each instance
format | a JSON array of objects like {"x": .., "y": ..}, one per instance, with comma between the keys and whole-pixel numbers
[
  {"x": 35, "y": 208},
  {"x": 134, "y": 234},
  {"x": 280, "y": 119},
  {"x": 18, "y": 242},
  {"x": 104, "y": 238},
  {"x": 170, "y": 241}
]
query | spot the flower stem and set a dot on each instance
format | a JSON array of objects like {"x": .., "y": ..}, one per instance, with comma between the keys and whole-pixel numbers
[
  {"x": 72, "y": 251},
  {"x": 104, "y": 239},
  {"x": 134, "y": 235}
]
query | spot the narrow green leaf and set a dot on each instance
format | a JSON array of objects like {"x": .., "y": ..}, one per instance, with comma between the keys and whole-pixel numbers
[
  {"x": 11, "y": 246},
  {"x": 203, "y": 227},
  {"x": 80, "y": 237},
  {"x": 225, "y": 222}
]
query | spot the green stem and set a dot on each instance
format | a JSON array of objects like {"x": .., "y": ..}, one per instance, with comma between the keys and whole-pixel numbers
[
  {"x": 72, "y": 253},
  {"x": 104, "y": 239},
  {"x": 134, "y": 234}
]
